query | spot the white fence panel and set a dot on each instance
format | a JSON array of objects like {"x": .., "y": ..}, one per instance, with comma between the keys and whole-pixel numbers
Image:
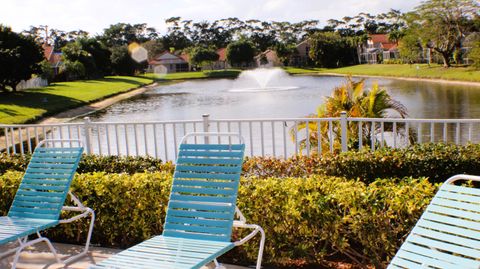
[{"x": 263, "y": 137}]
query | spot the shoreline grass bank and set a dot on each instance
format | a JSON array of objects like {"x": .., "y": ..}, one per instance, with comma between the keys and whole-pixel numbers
[
  {"x": 34, "y": 104},
  {"x": 207, "y": 74},
  {"x": 420, "y": 71}
]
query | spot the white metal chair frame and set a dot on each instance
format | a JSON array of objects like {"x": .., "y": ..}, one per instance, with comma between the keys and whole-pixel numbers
[{"x": 84, "y": 212}]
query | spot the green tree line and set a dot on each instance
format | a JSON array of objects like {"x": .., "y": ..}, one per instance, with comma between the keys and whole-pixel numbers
[{"x": 442, "y": 27}]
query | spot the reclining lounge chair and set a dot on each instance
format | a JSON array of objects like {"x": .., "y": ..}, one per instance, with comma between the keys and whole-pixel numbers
[
  {"x": 200, "y": 213},
  {"x": 41, "y": 196},
  {"x": 447, "y": 235}
]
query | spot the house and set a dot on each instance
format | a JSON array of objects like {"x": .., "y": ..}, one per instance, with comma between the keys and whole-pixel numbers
[
  {"x": 55, "y": 60},
  {"x": 222, "y": 62},
  {"x": 377, "y": 48},
  {"x": 301, "y": 56},
  {"x": 53, "y": 57},
  {"x": 268, "y": 58},
  {"x": 168, "y": 62}
]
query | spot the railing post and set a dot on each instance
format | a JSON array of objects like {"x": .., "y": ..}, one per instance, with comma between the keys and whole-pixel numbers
[
  {"x": 88, "y": 135},
  {"x": 343, "y": 126},
  {"x": 206, "y": 125}
]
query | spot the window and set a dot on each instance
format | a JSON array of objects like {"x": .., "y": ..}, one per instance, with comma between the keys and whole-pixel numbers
[{"x": 181, "y": 67}]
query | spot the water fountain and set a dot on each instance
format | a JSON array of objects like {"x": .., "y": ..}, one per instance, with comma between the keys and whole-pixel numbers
[{"x": 263, "y": 79}]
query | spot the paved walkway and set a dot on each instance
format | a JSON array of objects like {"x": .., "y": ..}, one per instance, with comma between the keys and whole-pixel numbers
[{"x": 38, "y": 257}]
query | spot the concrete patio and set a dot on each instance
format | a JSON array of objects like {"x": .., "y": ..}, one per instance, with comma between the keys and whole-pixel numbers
[{"x": 38, "y": 257}]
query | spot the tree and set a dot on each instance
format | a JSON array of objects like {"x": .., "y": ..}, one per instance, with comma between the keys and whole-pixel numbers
[
  {"x": 473, "y": 41},
  {"x": 154, "y": 48},
  {"x": 207, "y": 34},
  {"x": 100, "y": 55},
  {"x": 203, "y": 56},
  {"x": 93, "y": 55},
  {"x": 75, "y": 56},
  {"x": 72, "y": 70},
  {"x": 353, "y": 98},
  {"x": 365, "y": 23},
  {"x": 284, "y": 52},
  {"x": 262, "y": 41},
  {"x": 19, "y": 57},
  {"x": 442, "y": 24},
  {"x": 124, "y": 33},
  {"x": 55, "y": 37},
  {"x": 60, "y": 38},
  {"x": 176, "y": 37},
  {"x": 46, "y": 70},
  {"x": 330, "y": 50},
  {"x": 395, "y": 36},
  {"x": 410, "y": 48},
  {"x": 122, "y": 63},
  {"x": 240, "y": 53}
]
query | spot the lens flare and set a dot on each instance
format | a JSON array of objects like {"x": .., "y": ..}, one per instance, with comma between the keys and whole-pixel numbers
[
  {"x": 137, "y": 52},
  {"x": 160, "y": 71}
]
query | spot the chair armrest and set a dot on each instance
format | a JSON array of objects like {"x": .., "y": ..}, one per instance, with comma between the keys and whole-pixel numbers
[{"x": 256, "y": 228}]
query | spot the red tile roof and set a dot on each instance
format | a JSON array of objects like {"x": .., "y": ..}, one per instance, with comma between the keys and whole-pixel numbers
[
  {"x": 50, "y": 55},
  {"x": 379, "y": 38},
  {"x": 184, "y": 56},
  {"x": 222, "y": 54},
  {"x": 383, "y": 40},
  {"x": 47, "y": 51}
]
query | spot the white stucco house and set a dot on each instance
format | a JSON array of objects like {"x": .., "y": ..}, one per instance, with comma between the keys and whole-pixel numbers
[{"x": 168, "y": 62}]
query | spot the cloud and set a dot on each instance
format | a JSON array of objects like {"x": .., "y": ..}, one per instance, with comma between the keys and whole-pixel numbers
[
  {"x": 273, "y": 5},
  {"x": 95, "y": 15}
]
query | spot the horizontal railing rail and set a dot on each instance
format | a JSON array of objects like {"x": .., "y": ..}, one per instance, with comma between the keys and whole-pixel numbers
[{"x": 263, "y": 137}]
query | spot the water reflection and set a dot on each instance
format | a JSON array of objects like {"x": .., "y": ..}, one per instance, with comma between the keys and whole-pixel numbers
[
  {"x": 436, "y": 100},
  {"x": 189, "y": 100}
]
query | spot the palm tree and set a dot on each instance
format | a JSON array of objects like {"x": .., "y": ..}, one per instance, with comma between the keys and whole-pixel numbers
[{"x": 352, "y": 98}]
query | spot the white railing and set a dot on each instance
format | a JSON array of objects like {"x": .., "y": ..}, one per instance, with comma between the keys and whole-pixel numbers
[{"x": 263, "y": 137}]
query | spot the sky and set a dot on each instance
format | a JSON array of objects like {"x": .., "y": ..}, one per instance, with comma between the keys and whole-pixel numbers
[{"x": 95, "y": 15}]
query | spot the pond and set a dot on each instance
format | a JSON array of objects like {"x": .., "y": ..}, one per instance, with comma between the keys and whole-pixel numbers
[
  {"x": 284, "y": 96},
  {"x": 262, "y": 94}
]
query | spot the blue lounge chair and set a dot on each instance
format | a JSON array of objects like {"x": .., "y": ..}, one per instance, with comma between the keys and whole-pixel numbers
[
  {"x": 200, "y": 213},
  {"x": 447, "y": 235},
  {"x": 40, "y": 198}
]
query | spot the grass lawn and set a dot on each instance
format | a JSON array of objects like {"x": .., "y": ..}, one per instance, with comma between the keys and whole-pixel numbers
[
  {"x": 228, "y": 73},
  {"x": 305, "y": 70},
  {"x": 401, "y": 70},
  {"x": 30, "y": 105}
]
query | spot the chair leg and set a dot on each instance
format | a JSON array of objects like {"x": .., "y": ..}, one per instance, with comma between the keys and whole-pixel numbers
[
  {"x": 17, "y": 256},
  {"x": 25, "y": 243},
  {"x": 260, "y": 249},
  {"x": 218, "y": 265},
  {"x": 87, "y": 243},
  {"x": 52, "y": 249}
]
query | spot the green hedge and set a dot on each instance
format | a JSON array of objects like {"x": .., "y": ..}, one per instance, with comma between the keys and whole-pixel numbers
[
  {"x": 95, "y": 163},
  {"x": 435, "y": 161},
  {"x": 306, "y": 220}
]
